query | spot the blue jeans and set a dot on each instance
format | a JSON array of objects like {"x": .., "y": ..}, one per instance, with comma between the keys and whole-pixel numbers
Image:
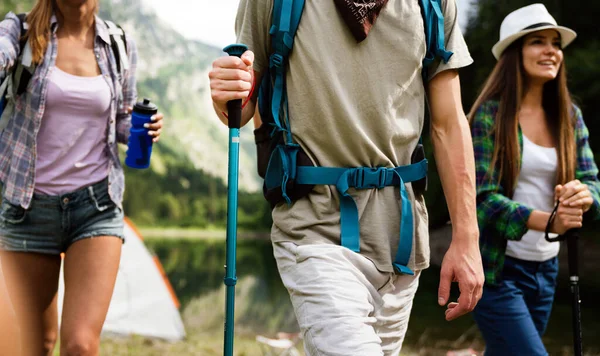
[
  {"x": 53, "y": 223},
  {"x": 512, "y": 316}
]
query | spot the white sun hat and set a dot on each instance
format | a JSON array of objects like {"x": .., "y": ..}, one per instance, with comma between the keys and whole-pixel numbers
[{"x": 525, "y": 20}]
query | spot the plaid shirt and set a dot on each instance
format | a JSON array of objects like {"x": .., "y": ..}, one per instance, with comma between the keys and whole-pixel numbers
[
  {"x": 18, "y": 141},
  {"x": 500, "y": 218}
]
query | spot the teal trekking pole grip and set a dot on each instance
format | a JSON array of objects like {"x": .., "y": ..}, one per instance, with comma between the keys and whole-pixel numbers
[{"x": 234, "y": 109}]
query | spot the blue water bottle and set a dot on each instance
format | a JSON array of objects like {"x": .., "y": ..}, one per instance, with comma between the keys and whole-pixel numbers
[{"x": 140, "y": 143}]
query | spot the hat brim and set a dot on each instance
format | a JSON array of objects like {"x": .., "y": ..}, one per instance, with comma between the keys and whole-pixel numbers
[{"x": 566, "y": 36}]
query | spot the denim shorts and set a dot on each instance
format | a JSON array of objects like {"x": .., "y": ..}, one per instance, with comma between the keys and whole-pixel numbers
[{"x": 53, "y": 223}]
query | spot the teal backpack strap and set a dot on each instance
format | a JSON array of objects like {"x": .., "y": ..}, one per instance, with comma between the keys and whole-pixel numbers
[
  {"x": 285, "y": 22},
  {"x": 406, "y": 231},
  {"x": 433, "y": 18},
  {"x": 369, "y": 178},
  {"x": 286, "y": 18},
  {"x": 282, "y": 166}
]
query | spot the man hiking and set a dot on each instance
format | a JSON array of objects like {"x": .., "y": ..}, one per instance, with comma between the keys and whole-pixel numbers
[{"x": 355, "y": 108}]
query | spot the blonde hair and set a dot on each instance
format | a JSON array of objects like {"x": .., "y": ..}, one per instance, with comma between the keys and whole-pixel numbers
[{"x": 38, "y": 33}]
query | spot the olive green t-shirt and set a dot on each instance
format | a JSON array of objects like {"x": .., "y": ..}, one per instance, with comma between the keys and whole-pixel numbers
[{"x": 354, "y": 105}]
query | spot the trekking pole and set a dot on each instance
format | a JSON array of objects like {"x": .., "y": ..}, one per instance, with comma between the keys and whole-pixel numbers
[
  {"x": 572, "y": 238},
  {"x": 234, "y": 112}
]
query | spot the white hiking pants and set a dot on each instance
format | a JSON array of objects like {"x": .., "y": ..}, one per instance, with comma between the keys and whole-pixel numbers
[{"x": 343, "y": 304}]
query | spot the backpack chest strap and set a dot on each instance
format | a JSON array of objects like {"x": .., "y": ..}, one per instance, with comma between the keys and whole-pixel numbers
[{"x": 369, "y": 178}]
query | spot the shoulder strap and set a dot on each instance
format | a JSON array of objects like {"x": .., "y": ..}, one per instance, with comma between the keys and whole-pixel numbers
[
  {"x": 18, "y": 77},
  {"x": 286, "y": 18},
  {"x": 433, "y": 21},
  {"x": 21, "y": 76},
  {"x": 118, "y": 43},
  {"x": 24, "y": 28},
  {"x": 273, "y": 94}
]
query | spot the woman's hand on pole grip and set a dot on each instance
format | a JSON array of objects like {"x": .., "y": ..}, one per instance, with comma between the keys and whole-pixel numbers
[
  {"x": 567, "y": 216},
  {"x": 575, "y": 194}
]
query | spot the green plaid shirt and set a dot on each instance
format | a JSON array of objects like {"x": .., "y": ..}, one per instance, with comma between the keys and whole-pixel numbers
[{"x": 500, "y": 218}]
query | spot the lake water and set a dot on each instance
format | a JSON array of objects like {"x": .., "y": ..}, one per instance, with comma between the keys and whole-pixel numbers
[{"x": 195, "y": 268}]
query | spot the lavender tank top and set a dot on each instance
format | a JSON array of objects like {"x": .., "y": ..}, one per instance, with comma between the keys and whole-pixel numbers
[{"x": 72, "y": 140}]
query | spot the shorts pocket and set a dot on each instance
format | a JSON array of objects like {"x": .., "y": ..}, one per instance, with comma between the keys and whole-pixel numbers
[
  {"x": 100, "y": 200},
  {"x": 12, "y": 214}
]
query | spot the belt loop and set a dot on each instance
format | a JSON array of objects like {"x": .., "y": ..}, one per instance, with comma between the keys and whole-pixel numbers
[
  {"x": 93, "y": 197},
  {"x": 91, "y": 192}
]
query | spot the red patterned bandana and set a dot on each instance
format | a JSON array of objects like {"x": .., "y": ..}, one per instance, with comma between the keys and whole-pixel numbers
[{"x": 360, "y": 15}]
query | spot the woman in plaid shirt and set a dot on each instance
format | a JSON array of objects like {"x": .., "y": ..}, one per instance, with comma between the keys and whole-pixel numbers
[
  {"x": 531, "y": 149},
  {"x": 62, "y": 179}
]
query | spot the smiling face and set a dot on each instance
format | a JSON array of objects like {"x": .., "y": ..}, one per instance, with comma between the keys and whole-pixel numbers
[{"x": 542, "y": 55}]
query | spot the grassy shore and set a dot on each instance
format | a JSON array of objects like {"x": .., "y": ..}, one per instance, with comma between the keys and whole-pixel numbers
[
  {"x": 193, "y": 260},
  {"x": 196, "y": 233}
]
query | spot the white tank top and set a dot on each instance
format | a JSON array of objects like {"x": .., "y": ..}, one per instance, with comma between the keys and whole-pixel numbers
[{"x": 535, "y": 189}]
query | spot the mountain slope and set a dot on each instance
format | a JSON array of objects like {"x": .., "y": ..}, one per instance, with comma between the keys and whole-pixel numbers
[
  {"x": 186, "y": 182},
  {"x": 173, "y": 72}
]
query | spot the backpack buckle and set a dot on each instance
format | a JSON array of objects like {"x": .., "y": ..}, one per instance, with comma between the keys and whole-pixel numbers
[
  {"x": 368, "y": 178},
  {"x": 276, "y": 60}
]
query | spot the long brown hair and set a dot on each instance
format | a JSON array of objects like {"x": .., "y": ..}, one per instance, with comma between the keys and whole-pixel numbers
[
  {"x": 38, "y": 33},
  {"x": 507, "y": 84}
]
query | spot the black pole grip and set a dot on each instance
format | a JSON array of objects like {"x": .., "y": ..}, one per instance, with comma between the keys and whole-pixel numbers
[
  {"x": 234, "y": 107},
  {"x": 572, "y": 237}
]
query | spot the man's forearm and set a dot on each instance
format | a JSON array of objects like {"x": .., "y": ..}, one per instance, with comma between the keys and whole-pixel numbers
[{"x": 453, "y": 149}]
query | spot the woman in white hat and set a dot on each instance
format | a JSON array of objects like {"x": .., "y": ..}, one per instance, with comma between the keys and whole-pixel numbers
[{"x": 531, "y": 148}]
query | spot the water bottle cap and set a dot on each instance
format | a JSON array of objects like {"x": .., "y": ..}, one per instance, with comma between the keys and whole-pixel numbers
[{"x": 145, "y": 107}]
